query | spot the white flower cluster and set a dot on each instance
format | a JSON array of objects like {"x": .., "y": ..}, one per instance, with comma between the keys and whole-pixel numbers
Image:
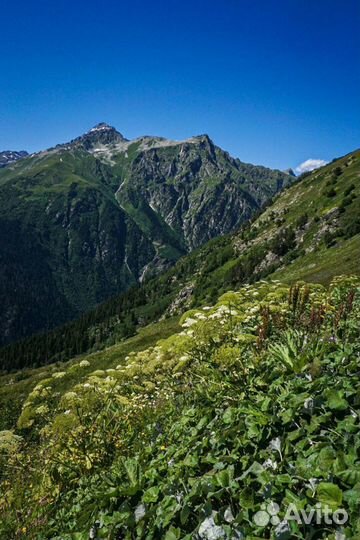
[{"x": 139, "y": 377}]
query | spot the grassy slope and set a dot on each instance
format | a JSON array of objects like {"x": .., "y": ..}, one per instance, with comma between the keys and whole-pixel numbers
[
  {"x": 310, "y": 197},
  {"x": 191, "y": 436},
  {"x": 322, "y": 266},
  {"x": 14, "y": 388},
  {"x": 318, "y": 266},
  {"x": 229, "y": 261}
]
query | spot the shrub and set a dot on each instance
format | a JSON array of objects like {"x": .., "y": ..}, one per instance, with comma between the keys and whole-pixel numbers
[
  {"x": 330, "y": 193},
  {"x": 337, "y": 172},
  {"x": 349, "y": 189},
  {"x": 302, "y": 221},
  {"x": 346, "y": 201},
  {"x": 352, "y": 228},
  {"x": 283, "y": 242}
]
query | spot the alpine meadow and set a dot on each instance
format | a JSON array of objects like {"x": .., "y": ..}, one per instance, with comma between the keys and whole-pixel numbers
[{"x": 180, "y": 327}]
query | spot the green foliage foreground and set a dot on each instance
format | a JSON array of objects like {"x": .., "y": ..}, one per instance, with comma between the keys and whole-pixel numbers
[{"x": 255, "y": 403}]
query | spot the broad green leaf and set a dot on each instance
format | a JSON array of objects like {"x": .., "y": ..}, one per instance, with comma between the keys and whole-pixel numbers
[
  {"x": 151, "y": 495},
  {"x": 247, "y": 498},
  {"x": 326, "y": 458},
  {"x": 350, "y": 476},
  {"x": 335, "y": 400},
  {"x": 173, "y": 534},
  {"x": 330, "y": 494},
  {"x": 229, "y": 415}
]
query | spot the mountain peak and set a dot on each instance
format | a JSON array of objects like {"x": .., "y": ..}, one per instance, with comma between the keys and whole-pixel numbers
[
  {"x": 203, "y": 137},
  {"x": 101, "y": 134},
  {"x": 102, "y": 126},
  {"x": 105, "y": 129}
]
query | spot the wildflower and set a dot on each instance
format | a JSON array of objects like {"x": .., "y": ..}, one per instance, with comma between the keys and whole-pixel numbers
[
  {"x": 275, "y": 444},
  {"x": 98, "y": 373},
  {"x": 84, "y": 363},
  {"x": 309, "y": 403},
  {"x": 70, "y": 395},
  {"x": 43, "y": 409},
  {"x": 9, "y": 441},
  {"x": 59, "y": 375},
  {"x": 270, "y": 464},
  {"x": 70, "y": 398},
  {"x": 140, "y": 512},
  {"x": 189, "y": 322}
]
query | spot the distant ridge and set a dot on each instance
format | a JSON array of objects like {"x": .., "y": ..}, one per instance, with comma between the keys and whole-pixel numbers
[{"x": 7, "y": 157}]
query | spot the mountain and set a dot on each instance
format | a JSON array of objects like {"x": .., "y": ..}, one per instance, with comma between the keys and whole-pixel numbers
[
  {"x": 290, "y": 172},
  {"x": 10, "y": 156},
  {"x": 227, "y": 421},
  {"x": 87, "y": 219},
  {"x": 100, "y": 136},
  {"x": 310, "y": 232}
]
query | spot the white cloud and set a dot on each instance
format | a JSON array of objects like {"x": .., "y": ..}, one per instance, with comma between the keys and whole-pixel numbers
[{"x": 310, "y": 165}]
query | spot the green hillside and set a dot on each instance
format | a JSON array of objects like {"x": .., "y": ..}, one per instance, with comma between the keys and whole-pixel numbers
[
  {"x": 311, "y": 231},
  {"x": 86, "y": 220}
]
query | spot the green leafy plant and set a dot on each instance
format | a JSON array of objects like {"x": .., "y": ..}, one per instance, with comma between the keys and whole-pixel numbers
[{"x": 190, "y": 438}]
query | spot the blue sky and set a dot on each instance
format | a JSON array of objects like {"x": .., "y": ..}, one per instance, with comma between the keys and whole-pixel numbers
[{"x": 274, "y": 82}]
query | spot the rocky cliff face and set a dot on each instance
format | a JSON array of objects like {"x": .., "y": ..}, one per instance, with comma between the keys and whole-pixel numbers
[
  {"x": 87, "y": 219},
  {"x": 197, "y": 188}
]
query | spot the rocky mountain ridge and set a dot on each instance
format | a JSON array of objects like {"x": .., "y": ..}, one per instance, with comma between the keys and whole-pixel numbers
[
  {"x": 85, "y": 220},
  {"x": 7, "y": 157}
]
